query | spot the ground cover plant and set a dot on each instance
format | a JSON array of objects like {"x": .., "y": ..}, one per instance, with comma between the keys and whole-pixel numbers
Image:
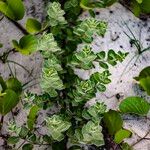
[{"x": 64, "y": 42}]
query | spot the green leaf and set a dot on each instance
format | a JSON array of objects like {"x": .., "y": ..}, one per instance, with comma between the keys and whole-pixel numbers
[
  {"x": 126, "y": 146},
  {"x": 1, "y": 45},
  {"x": 103, "y": 65},
  {"x": 27, "y": 44},
  {"x": 32, "y": 117},
  {"x": 113, "y": 121},
  {"x": 121, "y": 135},
  {"x": 145, "y": 6},
  {"x": 13, "y": 140},
  {"x": 24, "y": 132},
  {"x": 27, "y": 146},
  {"x": 134, "y": 105},
  {"x": 14, "y": 9},
  {"x": 14, "y": 84},
  {"x": 3, "y": 84},
  {"x": 33, "y": 25},
  {"x": 75, "y": 147},
  {"x": 144, "y": 79},
  {"x": 139, "y": 1},
  {"x": 8, "y": 101}
]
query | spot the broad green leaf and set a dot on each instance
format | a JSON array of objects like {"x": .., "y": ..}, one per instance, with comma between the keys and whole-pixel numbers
[
  {"x": 13, "y": 140},
  {"x": 27, "y": 147},
  {"x": 121, "y": 135},
  {"x": 33, "y": 25},
  {"x": 113, "y": 121},
  {"x": 14, "y": 84},
  {"x": 14, "y": 9},
  {"x": 136, "y": 105},
  {"x": 32, "y": 117},
  {"x": 144, "y": 79},
  {"x": 8, "y": 101},
  {"x": 27, "y": 44},
  {"x": 145, "y": 6}
]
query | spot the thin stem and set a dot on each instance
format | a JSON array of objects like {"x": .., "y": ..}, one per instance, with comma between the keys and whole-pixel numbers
[
  {"x": 19, "y": 26},
  {"x": 29, "y": 82},
  {"x": 11, "y": 61},
  {"x": 10, "y": 70},
  {"x": 1, "y": 123},
  {"x": 30, "y": 86}
]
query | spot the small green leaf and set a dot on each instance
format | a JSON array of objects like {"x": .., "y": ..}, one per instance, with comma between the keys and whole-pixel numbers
[
  {"x": 33, "y": 25},
  {"x": 14, "y": 9},
  {"x": 101, "y": 55},
  {"x": 126, "y": 146},
  {"x": 14, "y": 84},
  {"x": 13, "y": 140},
  {"x": 1, "y": 45},
  {"x": 32, "y": 117},
  {"x": 103, "y": 65},
  {"x": 24, "y": 132},
  {"x": 144, "y": 79},
  {"x": 27, "y": 44},
  {"x": 27, "y": 146},
  {"x": 121, "y": 135},
  {"x": 134, "y": 105},
  {"x": 3, "y": 84},
  {"x": 113, "y": 121},
  {"x": 8, "y": 101}
]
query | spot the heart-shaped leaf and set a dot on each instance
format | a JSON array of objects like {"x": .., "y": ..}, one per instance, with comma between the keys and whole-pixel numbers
[
  {"x": 14, "y": 9},
  {"x": 27, "y": 44},
  {"x": 113, "y": 121},
  {"x": 33, "y": 25},
  {"x": 8, "y": 101},
  {"x": 136, "y": 105}
]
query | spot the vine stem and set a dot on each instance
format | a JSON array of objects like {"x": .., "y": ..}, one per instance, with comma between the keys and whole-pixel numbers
[
  {"x": 1, "y": 123},
  {"x": 138, "y": 141},
  {"x": 19, "y": 26}
]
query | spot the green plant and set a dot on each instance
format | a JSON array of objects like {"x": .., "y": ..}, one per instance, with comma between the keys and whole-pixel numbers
[{"x": 57, "y": 41}]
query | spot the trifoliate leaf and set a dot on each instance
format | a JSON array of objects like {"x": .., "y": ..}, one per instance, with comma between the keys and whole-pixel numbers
[
  {"x": 135, "y": 105},
  {"x": 33, "y": 25},
  {"x": 26, "y": 45}
]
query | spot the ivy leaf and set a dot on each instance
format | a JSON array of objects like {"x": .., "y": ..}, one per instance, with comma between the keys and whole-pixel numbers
[
  {"x": 136, "y": 105},
  {"x": 13, "y": 140},
  {"x": 8, "y": 101},
  {"x": 33, "y": 26},
  {"x": 144, "y": 79},
  {"x": 32, "y": 116},
  {"x": 113, "y": 121},
  {"x": 27, "y": 146},
  {"x": 121, "y": 135},
  {"x": 26, "y": 45},
  {"x": 14, "y": 9},
  {"x": 14, "y": 84}
]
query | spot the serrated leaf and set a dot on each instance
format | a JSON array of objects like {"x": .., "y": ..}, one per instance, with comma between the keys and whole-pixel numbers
[
  {"x": 136, "y": 105},
  {"x": 8, "y": 101},
  {"x": 33, "y": 25},
  {"x": 113, "y": 121},
  {"x": 14, "y": 9},
  {"x": 121, "y": 135},
  {"x": 27, "y": 44},
  {"x": 27, "y": 146},
  {"x": 32, "y": 117}
]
